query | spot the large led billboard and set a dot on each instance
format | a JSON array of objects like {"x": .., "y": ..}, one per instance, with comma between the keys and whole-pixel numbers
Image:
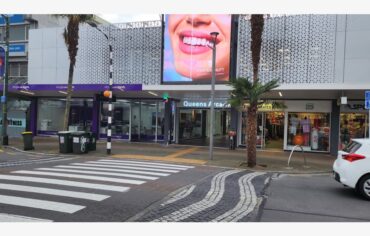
[{"x": 188, "y": 48}]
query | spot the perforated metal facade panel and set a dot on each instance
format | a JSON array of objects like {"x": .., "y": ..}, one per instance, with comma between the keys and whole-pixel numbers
[
  {"x": 136, "y": 54},
  {"x": 295, "y": 49}
]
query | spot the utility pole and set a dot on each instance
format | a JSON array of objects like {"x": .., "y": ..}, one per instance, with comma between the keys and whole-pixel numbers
[
  {"x": 214, "y": 37},
  {"x": 4, "y": 100},
  {"x": 110, "y": 104}
]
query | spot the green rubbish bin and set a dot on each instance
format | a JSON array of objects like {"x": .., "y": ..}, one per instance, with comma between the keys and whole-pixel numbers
[
  {"x": 27, "y": 141},
  {"x": 92, "y": 141},
  {"x": 80, "y": 142},
  {"x": 65, "y": 141}
]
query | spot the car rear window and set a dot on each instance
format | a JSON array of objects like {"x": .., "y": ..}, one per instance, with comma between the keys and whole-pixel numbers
[{"x": 352, "y": 147}]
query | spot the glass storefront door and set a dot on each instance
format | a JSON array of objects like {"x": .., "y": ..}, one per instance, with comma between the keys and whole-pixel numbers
[
  {"x": 270, "y": 129},
  {"x": 194, "y": 127},
  {"x": 135, "y": 121}
]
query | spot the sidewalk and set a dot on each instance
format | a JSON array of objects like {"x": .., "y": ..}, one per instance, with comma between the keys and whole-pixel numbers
[{"x": 267, "y": 160}]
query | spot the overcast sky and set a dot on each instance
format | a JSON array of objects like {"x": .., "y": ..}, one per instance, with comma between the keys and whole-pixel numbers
[{"x": 117, "y": 18}]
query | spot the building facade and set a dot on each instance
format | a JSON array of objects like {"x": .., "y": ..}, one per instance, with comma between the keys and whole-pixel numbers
[{"x": 317, "y": 58}]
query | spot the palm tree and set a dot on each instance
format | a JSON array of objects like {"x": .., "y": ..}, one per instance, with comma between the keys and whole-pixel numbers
[
  {"x": 244, "y": 89},
  {"x": 71, "y": 37}
]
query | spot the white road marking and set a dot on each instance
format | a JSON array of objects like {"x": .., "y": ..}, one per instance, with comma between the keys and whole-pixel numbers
[
  {"x": 56, "y": 192},
  {"x": 181, "y": 195},
  {"x": 213, "y": 196},
  {"x": 65, "y": 183},
  {"x": 139, "y": 165},
  {"x": 99, "y": 173},
  {"x": 19, "y": 218},
  {"x": 90, "y": 177},
  {"x": 247, "y": 202},
  {"x": 99, "y": 164},
  {"x": 40, "y": 204},
  {"x": 147, "y": 162},
  {"x": 81, "y": 166}
]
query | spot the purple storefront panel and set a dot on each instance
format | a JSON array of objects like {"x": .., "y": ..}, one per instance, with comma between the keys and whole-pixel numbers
[{"x": 76, "y": 87}]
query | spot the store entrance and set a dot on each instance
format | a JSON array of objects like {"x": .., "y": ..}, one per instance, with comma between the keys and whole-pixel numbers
[
  {"x": 270, "y": 130},
  {"x": 194, "y": 127}
]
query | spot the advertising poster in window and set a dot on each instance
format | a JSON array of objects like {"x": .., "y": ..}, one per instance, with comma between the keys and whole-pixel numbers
[{"x": 188, "y": 48}]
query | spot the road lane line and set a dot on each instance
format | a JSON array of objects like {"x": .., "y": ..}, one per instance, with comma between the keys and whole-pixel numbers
[
  {"x": 90, "y": 177},
  {"x": 113, "y": 170},
  {"x": 65, "y": 183},
  {"x": 40, "y": 204},
  {"x": 125, "y": 167},
  {"x": 19, "y": 218},
  {"x": 99, "y": 173},
  {"x": 56, "y": 192},
  {"x": 140, "y": 165},
  {"x": 147, "y": 162}
]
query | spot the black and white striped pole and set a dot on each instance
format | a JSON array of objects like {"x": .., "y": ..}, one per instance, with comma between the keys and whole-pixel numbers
[
  {"x": 110, "y": 106},
  {"x": 109, "y": 92}
]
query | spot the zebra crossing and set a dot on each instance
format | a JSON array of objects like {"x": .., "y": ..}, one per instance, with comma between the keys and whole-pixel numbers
[{"x": 89, "y": 181}]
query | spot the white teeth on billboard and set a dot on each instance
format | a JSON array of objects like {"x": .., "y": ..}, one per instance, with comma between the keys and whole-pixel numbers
[{"x": 195, "y": 41}]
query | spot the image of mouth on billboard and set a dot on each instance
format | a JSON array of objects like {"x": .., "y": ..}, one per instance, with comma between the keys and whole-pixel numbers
[{"x": 188, "y": 48}]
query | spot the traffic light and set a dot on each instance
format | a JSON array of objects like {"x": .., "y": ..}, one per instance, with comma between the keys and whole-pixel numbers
[{"x": 165, "y": 97}]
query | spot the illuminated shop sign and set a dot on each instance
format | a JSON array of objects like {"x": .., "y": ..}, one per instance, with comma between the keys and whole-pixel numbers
[
  {"x": 206, "y": 104},
  {"x": 188, "y": 48}
]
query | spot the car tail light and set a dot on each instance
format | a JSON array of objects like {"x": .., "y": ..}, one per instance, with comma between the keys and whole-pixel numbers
[{"x": 353, "y": 157}]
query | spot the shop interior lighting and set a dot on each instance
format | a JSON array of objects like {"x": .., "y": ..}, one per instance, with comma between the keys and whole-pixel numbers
[
  {"x": 27, "y": 92},
  {"x": 152, "y": 93},
  {"x": 280, "y": 94},
  {"x": 63, "y": 92}
]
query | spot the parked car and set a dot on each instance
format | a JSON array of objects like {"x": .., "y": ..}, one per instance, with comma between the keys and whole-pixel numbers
[{"x": 352, "y": 166}]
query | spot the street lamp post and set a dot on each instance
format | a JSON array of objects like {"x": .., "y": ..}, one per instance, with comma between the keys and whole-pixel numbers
[
  {"x": 4, "y": 135},
  {"x": 214, "y": 37},
  {"x": 110, "y": 106}
]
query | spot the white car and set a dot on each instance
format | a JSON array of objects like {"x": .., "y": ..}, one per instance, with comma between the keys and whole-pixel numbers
[{"x": 352, "y": 166}]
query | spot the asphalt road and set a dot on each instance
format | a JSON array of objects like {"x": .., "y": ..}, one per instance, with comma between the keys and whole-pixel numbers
[{"x": 312, "y": 198}]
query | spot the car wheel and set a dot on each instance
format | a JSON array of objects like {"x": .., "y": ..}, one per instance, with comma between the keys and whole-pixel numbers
[{"x": 364, "y": 187}]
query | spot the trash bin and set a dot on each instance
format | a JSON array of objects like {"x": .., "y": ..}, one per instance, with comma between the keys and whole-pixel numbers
[
  {"x": 65, "y": 141},
  {"x": 92, "y": 141},
  {"x": 232, "y": 139},
  {"x": 80, "y": 142},
  {"x": 27, "y": 141}
]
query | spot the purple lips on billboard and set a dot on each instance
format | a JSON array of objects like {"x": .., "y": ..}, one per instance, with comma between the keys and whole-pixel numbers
[{"x": 2, "y": 61}]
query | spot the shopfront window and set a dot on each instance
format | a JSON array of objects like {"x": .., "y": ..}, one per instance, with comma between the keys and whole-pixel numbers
[
  {"x": 120, "y": 121},
  {"x": 148, "y": 120},
  {"x": 160, "y": 123},
  {"x": 310, "y": 130},
  {"x": 50, "y": 116},
  {"x": 352, "y": 125},
  {"x": 18, "y": 118}
]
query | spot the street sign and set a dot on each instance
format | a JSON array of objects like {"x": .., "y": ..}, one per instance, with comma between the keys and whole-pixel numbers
[{"x": 367, "y": 100}]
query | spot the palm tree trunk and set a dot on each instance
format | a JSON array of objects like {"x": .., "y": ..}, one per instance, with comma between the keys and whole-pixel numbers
[
  {"x": 252, "y": 135},
  {"x": 69, "y": 96}
]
